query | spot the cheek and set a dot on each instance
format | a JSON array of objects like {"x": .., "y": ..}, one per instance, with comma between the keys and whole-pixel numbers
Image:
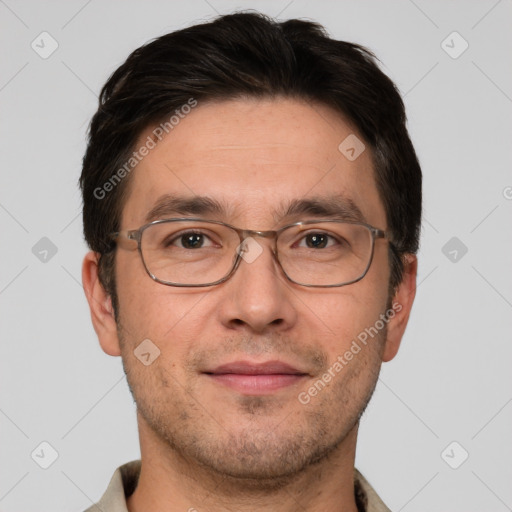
[
  {"x": 172, "y": 318},
  {"x": 351, "y": 312},
  {"x": 348, "y": 322},
  {"x": 142, "y": 300}
]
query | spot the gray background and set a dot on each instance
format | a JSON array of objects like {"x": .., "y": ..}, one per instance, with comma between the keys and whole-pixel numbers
[{"x": 451, "y": 380}]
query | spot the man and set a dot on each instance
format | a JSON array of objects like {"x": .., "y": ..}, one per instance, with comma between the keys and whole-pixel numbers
[{"x": 253, "y": 202}]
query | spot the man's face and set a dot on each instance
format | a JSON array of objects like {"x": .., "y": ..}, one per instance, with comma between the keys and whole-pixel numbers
[{"x": 254, "y": 156}]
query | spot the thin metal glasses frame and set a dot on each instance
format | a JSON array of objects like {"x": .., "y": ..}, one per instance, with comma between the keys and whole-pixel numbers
[{"x": 136, "y": 235}]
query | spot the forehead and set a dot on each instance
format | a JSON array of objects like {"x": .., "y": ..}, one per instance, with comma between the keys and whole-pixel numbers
[{"x": 253, "y": 158}]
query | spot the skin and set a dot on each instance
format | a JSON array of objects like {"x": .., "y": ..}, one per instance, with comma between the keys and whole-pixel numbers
[{"x": 207, "y": 446}]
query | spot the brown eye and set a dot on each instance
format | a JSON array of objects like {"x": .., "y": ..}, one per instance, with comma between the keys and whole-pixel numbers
[
  {"x": 188, "y": 240},
  {"x": 316, "y": 240}
]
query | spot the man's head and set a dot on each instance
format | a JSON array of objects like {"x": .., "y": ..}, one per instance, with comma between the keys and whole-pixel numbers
[{"x": 253, "y": 115}]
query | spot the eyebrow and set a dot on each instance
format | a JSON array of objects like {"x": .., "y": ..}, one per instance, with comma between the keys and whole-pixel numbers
[{"x": 329, "y": 207}]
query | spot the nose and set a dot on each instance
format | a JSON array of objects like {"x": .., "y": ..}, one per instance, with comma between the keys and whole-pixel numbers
[{"x": 258, "y": 296}]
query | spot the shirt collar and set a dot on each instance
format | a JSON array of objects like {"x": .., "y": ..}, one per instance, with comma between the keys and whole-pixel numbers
[{"x": 125, "y": 479}]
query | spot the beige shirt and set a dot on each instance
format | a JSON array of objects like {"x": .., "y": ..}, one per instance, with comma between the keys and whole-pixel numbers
[{"x": 125, "y": 479}]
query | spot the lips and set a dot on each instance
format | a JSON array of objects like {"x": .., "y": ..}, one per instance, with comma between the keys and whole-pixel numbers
[
  {"x": 256, "y": 378},
  {"x": 247, "y": 368}
]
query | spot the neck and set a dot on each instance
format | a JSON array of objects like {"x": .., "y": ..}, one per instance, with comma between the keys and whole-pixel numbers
[{"x": 169, "y": 482}]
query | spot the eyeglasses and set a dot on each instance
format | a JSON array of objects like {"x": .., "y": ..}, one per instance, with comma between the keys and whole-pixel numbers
[{"x": 195, "y": 252}]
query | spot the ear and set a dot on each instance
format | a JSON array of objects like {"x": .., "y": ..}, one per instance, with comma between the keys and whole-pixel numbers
[
  {"x": 100, "y": 304},
  {"x": 401, "y": 304}
]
